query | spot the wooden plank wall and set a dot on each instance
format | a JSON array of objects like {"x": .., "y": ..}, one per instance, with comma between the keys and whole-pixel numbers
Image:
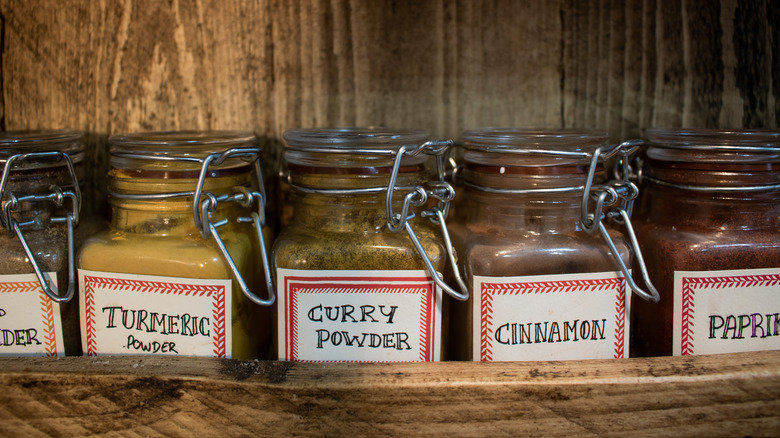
[{"x": 108, "y": 66}]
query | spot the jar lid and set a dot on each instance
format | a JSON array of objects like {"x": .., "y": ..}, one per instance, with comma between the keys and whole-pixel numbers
[
  {"x": 25, "y": 142},
  {"x": 178, "y": 150},
  {"x": 350, "y": 146},
  {"x": 532, "y": 147},
  {"x": 714, "y": 145}
]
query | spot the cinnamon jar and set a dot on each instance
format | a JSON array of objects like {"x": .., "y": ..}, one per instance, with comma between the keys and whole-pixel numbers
[{"x": 544, "y": 257}]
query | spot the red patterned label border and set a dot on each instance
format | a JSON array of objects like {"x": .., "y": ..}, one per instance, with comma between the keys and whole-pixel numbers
[
  {"x": 46, "y": 307},
  {"x": 690, "y": 285},
  {"x": 490, "y": 290},
  {"x": 217, "y": 294},
  {"x": 296, "y": 285}
]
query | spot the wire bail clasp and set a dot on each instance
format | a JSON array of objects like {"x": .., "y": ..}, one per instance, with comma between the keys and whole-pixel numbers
[
  {"x": 205, "y": 203},
  {"x": 11, "y": 201},
  {"x": 618, "y": 197},
  {"x": 418, "y": 196}
]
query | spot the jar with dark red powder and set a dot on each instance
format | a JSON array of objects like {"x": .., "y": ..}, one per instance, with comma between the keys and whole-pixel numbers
[{"x": 708, "y": 220}]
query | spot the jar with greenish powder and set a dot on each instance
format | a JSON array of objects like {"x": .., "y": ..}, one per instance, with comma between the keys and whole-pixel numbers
[
  {"x": 180, "y": 271},
  {"x": 359, "y": 266}
]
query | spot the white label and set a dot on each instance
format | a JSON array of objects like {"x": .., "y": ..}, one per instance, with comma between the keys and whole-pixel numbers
[
  {"x": 30, "y": 323},
  {"x": 726, "y": 311},
  {"x": 550, "y": 317},
  {"x": 358, "y": 316},
  {"x": 128, "y": 314}
]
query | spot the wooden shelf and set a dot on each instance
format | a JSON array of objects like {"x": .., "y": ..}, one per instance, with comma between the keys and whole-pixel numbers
[{"x": 734, "y": 395}]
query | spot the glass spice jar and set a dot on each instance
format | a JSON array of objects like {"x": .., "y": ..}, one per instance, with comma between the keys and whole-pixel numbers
[
  {"x": 359, "y": 265},
  {"x": 547, "y": 274},
  {"x": 41, "y": 201},
  {"x": 708, "y": 218},
  {"x": 179, "y": 268}
]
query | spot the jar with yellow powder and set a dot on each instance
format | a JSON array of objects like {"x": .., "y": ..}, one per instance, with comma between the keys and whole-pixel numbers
[
  {"x": 183, "y": 267},
  {"x": 41, "y": 200},
  {"x": 359, "y": 266}
]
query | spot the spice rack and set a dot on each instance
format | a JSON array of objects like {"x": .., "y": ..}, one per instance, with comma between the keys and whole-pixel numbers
[
  {"x": 726, "y": 395},
  {"x": 445, "y": 66}
]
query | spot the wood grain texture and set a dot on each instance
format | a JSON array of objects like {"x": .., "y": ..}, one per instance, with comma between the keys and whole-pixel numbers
[
  {"x": 728, "y": 395},
  {"x": 113, "y": 66}
]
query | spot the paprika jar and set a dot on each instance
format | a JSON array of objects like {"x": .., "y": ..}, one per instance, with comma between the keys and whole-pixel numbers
[
  {"x": 709, "y": 219},
  {"x": 547, "y": 269},
  {"x": 180, "y": 269},
  {"x": 359, "y": 266},
  {"x": 41, "y": 201}
]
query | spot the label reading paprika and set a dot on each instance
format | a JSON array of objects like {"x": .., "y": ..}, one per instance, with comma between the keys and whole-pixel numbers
[
  {"x": 30, "y": 323},
  {"x": 726, "y": 311},
  {"x": 551, "y": 317},
  {"x": 141, "y": 314},
  {"x": 358, "y": 316}
]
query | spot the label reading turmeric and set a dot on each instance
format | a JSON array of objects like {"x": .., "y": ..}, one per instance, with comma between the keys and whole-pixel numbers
[
  {"x": 358, "y": 316},
  {"x": 141, "y": 314},
  {"x": 30, "y": 323}
]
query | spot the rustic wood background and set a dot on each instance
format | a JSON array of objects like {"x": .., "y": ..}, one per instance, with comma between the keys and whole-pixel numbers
[{"x": 108, "y": 66}]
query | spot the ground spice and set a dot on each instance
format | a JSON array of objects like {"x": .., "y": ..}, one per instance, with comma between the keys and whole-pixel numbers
[
  {"x": 159, "y": 237},
  {"x": 47, "y": 240},
  {"x": 513, "y": 235},
  {"x": 686, "y": 230},
  {"x": 349, "y": 232}
]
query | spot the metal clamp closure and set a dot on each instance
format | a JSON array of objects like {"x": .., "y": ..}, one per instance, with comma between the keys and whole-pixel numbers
[
  {"x": 205, "y": 203},
  {"x": 618, "y": 197},
  {"x": 11, "y": 201},
  {"x": 418, "y": 196}
]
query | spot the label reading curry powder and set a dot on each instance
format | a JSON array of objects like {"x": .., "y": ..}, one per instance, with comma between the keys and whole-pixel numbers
[
  {"x": 358, "y": 316},
  {"x": 550, "y": 317},
  {"x": 30, "y": 323},
  {"x": 141, "y": 314},
  {"x": 726, "y": 311}
]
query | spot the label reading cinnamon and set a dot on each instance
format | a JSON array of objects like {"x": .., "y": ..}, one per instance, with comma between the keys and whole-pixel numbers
[
  {"x": 358, "y": 316},
  {"x": 550, "y": 317},
  {"x": 30, "y": 323},
  {"x": 128, "y": 314},
  {"x": 726, "y": 311}
]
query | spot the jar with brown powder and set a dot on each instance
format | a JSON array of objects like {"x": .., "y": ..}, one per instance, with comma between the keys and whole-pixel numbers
[
  {"x": 41, "y": 201},
  {"x": 181, "y": 270},
  {"x": 708, "y": 218},
  {"x": 538, "y": 238},
  {"x": 358, "y": 267}
]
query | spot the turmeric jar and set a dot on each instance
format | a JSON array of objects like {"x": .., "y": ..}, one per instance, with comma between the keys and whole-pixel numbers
[
  {"x": 709, "y": 219},
  {"x": 41, "y": 201},
  {"x": 547, "y": 269},
  {"x": 180, "y": 270},
  {"x": 359, "y": 266}
]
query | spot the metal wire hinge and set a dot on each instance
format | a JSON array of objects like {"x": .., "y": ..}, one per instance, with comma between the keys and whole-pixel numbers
[
  {"x": 11, "y": 202},
  {"x": 205, "y": 203},
  {"x": 618, "y": 197},
  {"x": 419, "y": 196}
]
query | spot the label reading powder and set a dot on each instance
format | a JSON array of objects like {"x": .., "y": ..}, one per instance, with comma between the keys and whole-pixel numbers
[
  {"x": 550, "y": 317},
  {"x": 358, "y": 316},
  {"x": 30, "y": 323},
  {"x": 726, "y": 311},
  {"x": 129, "y": 314}
]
